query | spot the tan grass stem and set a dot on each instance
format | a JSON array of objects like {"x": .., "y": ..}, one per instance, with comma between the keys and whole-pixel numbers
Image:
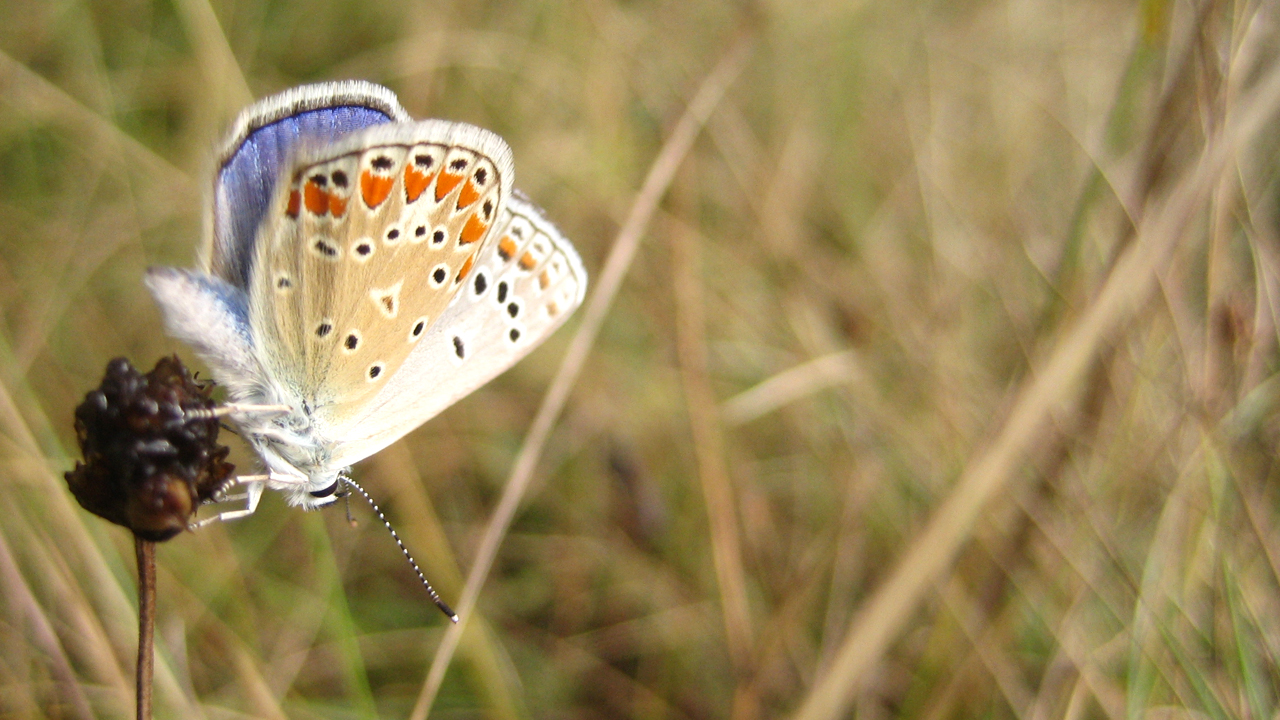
[
  {"x": 218, "y": 63},
  {"x": 789, "y": 386},
  {"x": 615, "y": 269},
  {"x": 709, "y": 448}
]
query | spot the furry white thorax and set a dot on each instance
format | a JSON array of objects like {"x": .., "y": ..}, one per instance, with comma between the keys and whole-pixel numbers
[
  {"x": 291, "y": 446},
  {"x": 288, "y": 444}
]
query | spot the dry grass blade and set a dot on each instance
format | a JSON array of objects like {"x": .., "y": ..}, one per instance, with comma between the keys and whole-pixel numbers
[
  {"x": 709, "y": 447},
  {"x": 21, "y": 599},
  {"x": 1050, "y": 391},
  {"x": 789, "y": 386},
  {"x": 606, "y": 287},
  {"x": 215, "y": 57},
  {"x": 36, "y": 97}
]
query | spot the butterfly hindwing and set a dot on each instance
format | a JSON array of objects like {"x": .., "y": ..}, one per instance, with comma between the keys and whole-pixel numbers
[{"x": 366, "y": 243}]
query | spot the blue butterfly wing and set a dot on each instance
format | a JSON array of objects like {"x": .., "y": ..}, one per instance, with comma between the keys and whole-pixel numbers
[{"x": 260, "y": 147}]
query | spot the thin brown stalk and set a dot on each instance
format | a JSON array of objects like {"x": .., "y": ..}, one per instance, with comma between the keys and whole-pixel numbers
[
  {"x": 146, "y": 552},
  {"x": 615, "y": 269}
]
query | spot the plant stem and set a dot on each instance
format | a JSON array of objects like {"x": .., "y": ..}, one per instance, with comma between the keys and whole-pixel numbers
[{"x": 146, "y": 552}]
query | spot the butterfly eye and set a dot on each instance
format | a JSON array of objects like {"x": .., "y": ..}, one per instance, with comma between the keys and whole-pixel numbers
[
  {"x": 502, "y": 292},
  {"x": 481, "y": 283},
  {"x": 323, "y": 329},
  {"x": 439, "y": 275},
  {"x": 437, "y": 238},
  {"x": 376, "y": 370},
  {"x": 513, "y": 334}
]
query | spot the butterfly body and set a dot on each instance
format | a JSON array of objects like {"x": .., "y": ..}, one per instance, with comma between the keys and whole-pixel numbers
[{"x": 364, "y": 271}]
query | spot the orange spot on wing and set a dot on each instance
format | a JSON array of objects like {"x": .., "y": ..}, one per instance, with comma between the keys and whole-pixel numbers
[
  {"x": 444, "y": 183},
  {"x": 316, "y": 200},
  {"x": 544, "y": 280},
  {"x": 337, "y": 205},
  {"x": 527, "y": 262},
  {"x": 472, "y": 231},
  {"x": 374, "y": 188},
  {"x": 295, "y": 204},
  {"x": 468, "y": 195},
  {"x": 506, "y": 247},
  {"x": 414, "y": 182},
  {"x": 466, "y": 269}
]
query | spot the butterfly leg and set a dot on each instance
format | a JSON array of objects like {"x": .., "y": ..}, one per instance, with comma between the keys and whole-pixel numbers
[{"x": 253, "y": 485}]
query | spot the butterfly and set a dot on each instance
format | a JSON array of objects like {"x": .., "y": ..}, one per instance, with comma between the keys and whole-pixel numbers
[{"x": 362, "y": 271}]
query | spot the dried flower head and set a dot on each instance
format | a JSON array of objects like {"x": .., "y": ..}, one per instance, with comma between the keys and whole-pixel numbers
[{"x": 150, "y": 446}]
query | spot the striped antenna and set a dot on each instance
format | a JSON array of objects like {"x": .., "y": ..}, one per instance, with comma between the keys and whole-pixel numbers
[{"x": 377, "y": 510}]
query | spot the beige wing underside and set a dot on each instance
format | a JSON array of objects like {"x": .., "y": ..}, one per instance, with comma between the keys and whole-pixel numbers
[{"x": 364, "y": 247}]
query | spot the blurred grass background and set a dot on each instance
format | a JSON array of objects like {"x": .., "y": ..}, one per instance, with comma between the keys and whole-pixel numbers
[{"x": 943, "y": 384}]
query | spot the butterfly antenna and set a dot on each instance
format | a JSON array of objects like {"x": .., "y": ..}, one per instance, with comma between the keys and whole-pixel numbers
[{"x": 378, "y": 511}]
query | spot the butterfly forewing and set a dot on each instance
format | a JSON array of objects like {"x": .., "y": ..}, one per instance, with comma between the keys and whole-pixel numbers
[
  {"x": 524, "y": 283},
  {"x": 367, "y": 246},
  {"x": 260, "y": 146}
]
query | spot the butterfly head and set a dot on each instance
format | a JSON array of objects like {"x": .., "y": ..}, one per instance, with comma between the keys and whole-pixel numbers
[{"x": 299, "y": 464}]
